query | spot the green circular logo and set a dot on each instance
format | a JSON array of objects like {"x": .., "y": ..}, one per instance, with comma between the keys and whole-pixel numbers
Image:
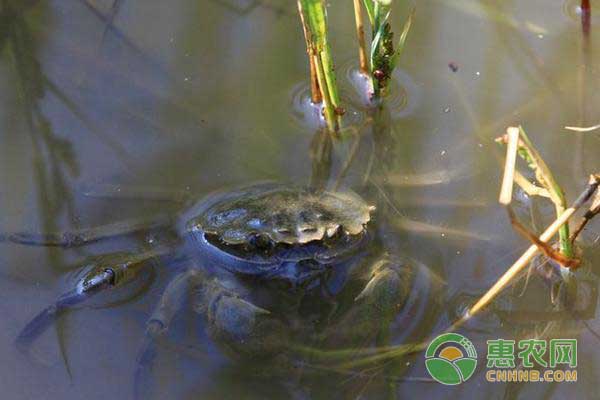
[{"x": 451, "y": 359}]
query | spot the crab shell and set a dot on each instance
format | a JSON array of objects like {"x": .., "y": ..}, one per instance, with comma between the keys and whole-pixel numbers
[{"x": 289, "y": 217}]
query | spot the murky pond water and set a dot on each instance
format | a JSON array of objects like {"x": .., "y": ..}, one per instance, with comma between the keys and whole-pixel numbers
[{"x": 109, "y": 121}]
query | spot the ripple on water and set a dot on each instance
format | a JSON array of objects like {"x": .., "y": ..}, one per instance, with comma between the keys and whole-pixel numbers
[
  {"x": 403, "y": 98},
  {"x": 309, "y": 115},
  {"x": 306, "y": 113},
  {"x": 403, "y": 94}
]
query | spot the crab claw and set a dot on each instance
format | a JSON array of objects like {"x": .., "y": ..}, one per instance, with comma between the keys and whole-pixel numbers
[
  {"x": 251, "y": 308},
  {"x": 240, "y": 327},
  {"x": 383, "y": 285},
  {"x": 241, "y": 323}
]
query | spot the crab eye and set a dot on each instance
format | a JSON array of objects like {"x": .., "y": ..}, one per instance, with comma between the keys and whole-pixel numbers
[
  {"x": 308, "y": 229},
  {"x": 284, "y": 231},
  {"x": 260, "y": 241}
]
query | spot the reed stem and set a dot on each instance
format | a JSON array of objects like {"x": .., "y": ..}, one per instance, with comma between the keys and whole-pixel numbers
[
  {"x": 315, "y": 91},
  {"x": 323, "y": 80},
  {"x": 360, "y": 34},
  {"x": 526, "y": 257}
]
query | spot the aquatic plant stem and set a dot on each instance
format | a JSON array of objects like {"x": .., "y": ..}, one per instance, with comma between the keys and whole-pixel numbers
[
  {"x": 314, "y": 21},
  {"x": 403, "y": 36},
  {"x": 588, "y": 216},
  {"x": 328, "y": 110},
  {"x": 314, "y": 12},
  {"x": 360, "y": 34},
  {"x": 506, "y": 198},
  {"x": 315, "y": 91},
  {"x": 329, "y": 74},
  {"x": 383, "y": 54},
  {"x": 546, "y": 179},
  {"x": 524, "y": 260},
  {"x": 586, "y": 13},
  {"x": 509, "y": 166}
]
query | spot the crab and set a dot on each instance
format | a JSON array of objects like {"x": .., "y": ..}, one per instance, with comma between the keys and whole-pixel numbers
[{"x": 268, "y": 265}]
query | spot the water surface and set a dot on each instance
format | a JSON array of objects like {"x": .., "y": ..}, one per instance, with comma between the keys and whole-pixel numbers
[{"x": 191, "y": 96}]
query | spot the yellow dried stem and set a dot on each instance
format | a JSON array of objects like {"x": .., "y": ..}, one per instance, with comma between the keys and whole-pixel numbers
[
  {"x": 360, "y": 33},
  {"x": 509, "y": 167}
]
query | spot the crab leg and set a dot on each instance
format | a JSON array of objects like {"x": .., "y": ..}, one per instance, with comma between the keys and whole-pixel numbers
[
  {"x": 101, "y": 273},
  {"x": 137, "y": 192},
  {"x": 83, "y": 237},
  {"x": 159, "y": 322},
  {"x": 384, "y": 293},
  {"x": 50, "y": 314}
]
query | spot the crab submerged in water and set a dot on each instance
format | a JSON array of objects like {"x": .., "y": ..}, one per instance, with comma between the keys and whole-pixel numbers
[{"x": 267, "y": 265}]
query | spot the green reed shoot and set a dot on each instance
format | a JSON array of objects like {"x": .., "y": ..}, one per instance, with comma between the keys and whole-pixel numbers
[
  {"x": 383, "y": 55},
  {"x": 323, "y": 80}
]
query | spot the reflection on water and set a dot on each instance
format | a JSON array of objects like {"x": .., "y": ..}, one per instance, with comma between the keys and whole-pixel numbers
[
  {"x": 188, "y": 97},
  {"x": 53, "y": 156}
]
